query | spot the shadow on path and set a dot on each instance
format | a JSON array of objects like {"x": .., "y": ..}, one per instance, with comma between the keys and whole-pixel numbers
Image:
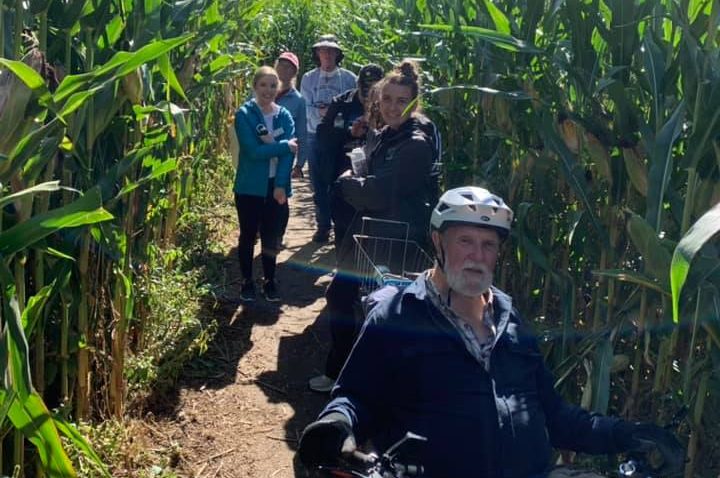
[{"x": 299, "y": 357}]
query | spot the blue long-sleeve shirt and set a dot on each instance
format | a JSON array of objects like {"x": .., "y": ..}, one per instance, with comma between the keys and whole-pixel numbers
[{"x": 293, "y": 101}]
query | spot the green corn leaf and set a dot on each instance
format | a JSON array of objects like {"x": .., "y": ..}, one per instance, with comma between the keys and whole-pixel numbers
[
  {"x": 169, "y": 74},
  {"x": 80, "y": 443},
  {"x": 35, "y": 143},
  {"x": 7, "y": 397},
  {"x": 113, "y": 32},
  {"x": 701, "y": 232},
  {"x": 71, "y": 84},
  {"x": 18, "y": 354},
  {"x": 75, "y": 101},
  {"x": 86, "y": 210},
  {"x": 502, "y": 24},
  {"x": 636, "y": 170},
  {"x": 38, "y": 188},
  {"x": 31, "y": 416},
  {"x": 33, "y": 311},
  {"x": 511, "y": 95},
  {"x": 655, "y": 257},
  {"x": 655, "y": 72},
  {"x": 602, "y": 364},
  {"x": 30, "y": 77},
  {"x": 158, "y": 170},
  {"x": 150, "y": 52},
  {"x": 499, "y": 39},
  {"x": 175, "y": 115},
  {"x": 660, "y": 171},
  {"x": 632, "y": 277},
  {"x": 695, "y": 7}
]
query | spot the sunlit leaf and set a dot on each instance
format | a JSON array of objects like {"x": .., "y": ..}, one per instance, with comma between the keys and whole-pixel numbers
[
  {"x": 30, "y": 77},
  {"x": 86, "y": 210},
  {"x": 700, "y": 233},
  {"x": 502, "y": 24},
  {"x": 80, "y": 443},
  {"x": 31, "y": 416},
  {"x": 499, "y": 39},
  {"x": 169, "y": 74}
]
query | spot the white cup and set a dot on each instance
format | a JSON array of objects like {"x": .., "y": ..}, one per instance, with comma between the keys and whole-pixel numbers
[{"x": 357, "y": 162}]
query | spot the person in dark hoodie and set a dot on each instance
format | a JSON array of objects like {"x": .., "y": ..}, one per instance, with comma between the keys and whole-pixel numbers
[
  {"x": 399, "y": 186},
  {"x": 343, "y": 128}
]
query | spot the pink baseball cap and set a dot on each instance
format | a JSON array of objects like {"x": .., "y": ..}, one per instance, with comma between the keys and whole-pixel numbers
[{"x": 291, "y": 57}]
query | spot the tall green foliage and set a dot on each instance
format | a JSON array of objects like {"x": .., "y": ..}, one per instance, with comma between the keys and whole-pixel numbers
[{"x": 106, "y": 109}]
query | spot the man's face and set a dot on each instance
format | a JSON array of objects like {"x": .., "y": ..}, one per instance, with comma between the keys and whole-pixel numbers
[
  {"x": 470, "y": 254},
  {"x": 285, "y": 70},
  {"x": 328, "y": 57}
]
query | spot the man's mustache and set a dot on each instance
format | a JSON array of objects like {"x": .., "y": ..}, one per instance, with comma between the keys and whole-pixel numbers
[{"x": 476, "y": 266}]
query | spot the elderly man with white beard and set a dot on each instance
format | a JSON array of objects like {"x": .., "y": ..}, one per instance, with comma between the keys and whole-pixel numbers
[{"x": 449, "y": 358}]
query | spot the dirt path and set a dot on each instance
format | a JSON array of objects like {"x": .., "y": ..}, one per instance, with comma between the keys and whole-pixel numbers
[{"x": 238, "y": 410}]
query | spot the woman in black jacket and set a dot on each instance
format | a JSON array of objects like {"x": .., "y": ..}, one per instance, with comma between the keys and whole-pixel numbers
[{"x": 399, "y": 186}]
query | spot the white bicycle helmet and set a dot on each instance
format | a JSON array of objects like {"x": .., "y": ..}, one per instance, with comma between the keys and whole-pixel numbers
[{"x": 472, "y": 205}]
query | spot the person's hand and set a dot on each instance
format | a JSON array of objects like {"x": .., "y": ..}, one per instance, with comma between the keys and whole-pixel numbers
[
  {"x": 279, "y": 195},
  {"x": 293, "y": 145},
  {"x": 662, "y": 448},
  {"x": 322, "y": 110},
  {"x": 323, "y": 442},
  {"x": 359, "y": 128},
  {"x": 267, "y": 138},
  {"x": 296, "y": 172},
  {"x": 346, "y": 174}
]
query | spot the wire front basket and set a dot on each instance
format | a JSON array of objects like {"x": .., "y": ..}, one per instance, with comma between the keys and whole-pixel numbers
[{"x": 387, "y": 258}]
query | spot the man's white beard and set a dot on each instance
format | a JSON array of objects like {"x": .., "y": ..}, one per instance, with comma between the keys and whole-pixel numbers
[{"x": 472, "y": 286}]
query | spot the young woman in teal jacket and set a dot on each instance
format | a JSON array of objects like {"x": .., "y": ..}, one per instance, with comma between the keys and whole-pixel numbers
[{"x": 265, "y": 133}]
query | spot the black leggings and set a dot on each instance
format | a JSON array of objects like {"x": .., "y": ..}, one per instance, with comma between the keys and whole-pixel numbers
[{"x": 265, "y": 215}]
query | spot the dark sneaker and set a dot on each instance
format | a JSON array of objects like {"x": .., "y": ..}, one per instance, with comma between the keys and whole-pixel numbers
[
  {"x": 321, "y": 384},
  {"x": 270, "y": 291},
  {"x": 321, "y": 236},
  {"x": 247, "y": 292}
]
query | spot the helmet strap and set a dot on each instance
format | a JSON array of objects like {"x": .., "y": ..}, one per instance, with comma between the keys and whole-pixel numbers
[{"x": 441, "y": 263}]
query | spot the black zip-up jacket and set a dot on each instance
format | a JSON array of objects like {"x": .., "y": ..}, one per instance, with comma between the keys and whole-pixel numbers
[
  {"x": 334, "y": 138},
  {"x": 399, "y": 185}
]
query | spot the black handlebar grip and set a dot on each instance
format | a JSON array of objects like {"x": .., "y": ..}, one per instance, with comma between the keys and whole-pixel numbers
[
  {"x": 415, "y": 470},
  {"x": 409, "y": 470}
]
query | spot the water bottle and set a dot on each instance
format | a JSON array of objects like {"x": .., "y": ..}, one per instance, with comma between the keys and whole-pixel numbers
[{"x": 339, "y": 121}]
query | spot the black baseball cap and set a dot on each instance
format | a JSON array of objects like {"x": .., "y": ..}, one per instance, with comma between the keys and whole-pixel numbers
[{"x": 370, "y": 74}]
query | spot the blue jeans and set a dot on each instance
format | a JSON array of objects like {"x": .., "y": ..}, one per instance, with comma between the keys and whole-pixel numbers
[{"x": 320, "y": 186}]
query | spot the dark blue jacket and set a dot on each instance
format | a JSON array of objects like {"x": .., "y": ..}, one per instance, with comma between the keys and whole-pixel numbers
[
  {"x": 410, "y": 371},
  {"x": 253, "y": 169}
]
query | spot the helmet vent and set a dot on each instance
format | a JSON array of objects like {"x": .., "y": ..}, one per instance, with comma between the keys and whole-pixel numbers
[
  {"x": 468, "y": 196},
  {"x": 472, "y": 207},
  {"x": 442, "y": 207}
]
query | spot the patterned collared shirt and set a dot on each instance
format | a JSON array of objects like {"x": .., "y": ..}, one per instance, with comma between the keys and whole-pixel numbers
[{"x": 476, "y": 346}]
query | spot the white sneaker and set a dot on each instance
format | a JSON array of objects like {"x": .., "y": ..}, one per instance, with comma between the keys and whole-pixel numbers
[{"x": 321, "y": 384}]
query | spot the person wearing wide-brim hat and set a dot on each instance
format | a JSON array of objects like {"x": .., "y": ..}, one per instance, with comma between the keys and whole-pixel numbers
[
  {"x": 319, "y": 86},
  {"x": 327, "y": 41}
]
